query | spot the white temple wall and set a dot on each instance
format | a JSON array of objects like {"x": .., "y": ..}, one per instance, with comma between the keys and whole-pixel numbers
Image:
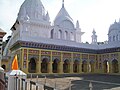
[
  {"x": 32, "y": 30},
  {"x": 61, "y": 34},
  {"x": 78, "y": 37}
]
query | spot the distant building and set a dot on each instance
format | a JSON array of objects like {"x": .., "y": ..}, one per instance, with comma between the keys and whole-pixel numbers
[
  {"x": 2, "y": 34},
  {"x": 58, "y": 48}
]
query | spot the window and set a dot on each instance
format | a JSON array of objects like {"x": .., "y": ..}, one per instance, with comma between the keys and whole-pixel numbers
[
  {"x": 66, "y": 35},
  {"x": 52, "y": 33},
  {"x": 113, "y": 38},
  {"x": 117, "y": 38},
  {"x": 59, "y": 34}
]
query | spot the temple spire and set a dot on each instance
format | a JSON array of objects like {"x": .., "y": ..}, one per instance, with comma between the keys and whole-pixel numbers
[
  {"x": 94, "y": 37},
  {"x": 63, "y": 3}
]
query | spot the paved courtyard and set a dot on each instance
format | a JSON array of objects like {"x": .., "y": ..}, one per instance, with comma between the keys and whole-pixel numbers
[
  {"x": 82, "y": 82},
  {"x": 99, "y": 82}
]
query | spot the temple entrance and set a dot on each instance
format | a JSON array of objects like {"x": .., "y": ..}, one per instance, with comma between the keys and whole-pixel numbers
[
  {"x": 115, "y": 68},
  {"x": 91, "y": 66},
  {"x": 76, "y": 66},
  {"x": 32, "y": 66},
  {"x": 66, "y": 66},
  {"x": 4, "y": 67},
  {"x": 106, "y": 66},
  {"x": 84, "y": 66},
  {"x": 55, "y": 66},
  {"x": 44, "y": 65}
]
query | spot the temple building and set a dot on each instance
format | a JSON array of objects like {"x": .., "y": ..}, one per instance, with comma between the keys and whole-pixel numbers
[
  {"x": 2, "y": 34},
  {"x": 45, "y": 48}
]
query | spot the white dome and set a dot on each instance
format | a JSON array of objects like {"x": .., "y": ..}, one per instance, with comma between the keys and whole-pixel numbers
[
  {"x": 63, "y": 16},
  {"x": 32, "y": 8},
  {"x": 114, "y": 32},
  {"x": 115, "y": 26}
]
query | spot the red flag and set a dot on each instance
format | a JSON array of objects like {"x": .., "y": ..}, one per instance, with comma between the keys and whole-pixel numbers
[{"x": 15, "y": 63}]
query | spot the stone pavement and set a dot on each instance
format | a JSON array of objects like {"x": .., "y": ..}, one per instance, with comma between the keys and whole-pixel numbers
[
  {"x": 82, "y": 81},
  {"x": 99, "y": 82}
]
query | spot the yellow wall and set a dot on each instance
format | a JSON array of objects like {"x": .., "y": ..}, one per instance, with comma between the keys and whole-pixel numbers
[{"x": 26, "y": 53}]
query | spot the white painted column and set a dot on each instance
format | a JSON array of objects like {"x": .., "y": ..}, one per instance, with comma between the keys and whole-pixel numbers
[{"x": 12, "y": 82}]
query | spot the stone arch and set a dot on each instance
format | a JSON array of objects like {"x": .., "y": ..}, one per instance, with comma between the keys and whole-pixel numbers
[
  {"x": 4, "y": 66},
  {"x": 106, "y": 66},
  {"x": 91, "y": 66},
  {"x": 66, "y": 66},
  {"x": 60, "y": 34},
  {"x": 117, "y": 38},
  {"x": 32, "y": 65},
  {"x": 113, "y": 38},
  {"x": 84, "y": 66},
  {"x": 44, "y": 65},
  {"x": 66, "y": 35},
  {"x": 55, "y": 65},
  {"x": 115, "y": 66},
  {"x": 52, "y": 33},
  {"x": 76, "y": 66}
]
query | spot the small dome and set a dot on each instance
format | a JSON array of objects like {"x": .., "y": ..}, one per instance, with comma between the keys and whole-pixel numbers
[
  {"x": 61, "y": 16},
  {"x": 115, "y": 26},
  {"x": 32, "y": 8}
]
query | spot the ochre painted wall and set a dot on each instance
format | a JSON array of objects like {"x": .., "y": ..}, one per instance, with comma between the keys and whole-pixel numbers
[{"x": 77, "y": 62}]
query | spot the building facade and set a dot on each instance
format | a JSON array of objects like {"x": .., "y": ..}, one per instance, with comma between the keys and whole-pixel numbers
[
  {"x": 2, "y": 34},
  {"x": 43, "y": 48}
]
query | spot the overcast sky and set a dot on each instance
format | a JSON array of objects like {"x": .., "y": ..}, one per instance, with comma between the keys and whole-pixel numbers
[{"x": 97, "y": 14}]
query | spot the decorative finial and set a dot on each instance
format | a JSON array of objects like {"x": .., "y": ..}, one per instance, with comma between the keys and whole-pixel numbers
[
  {"x": 77, "y": 24},
  {"x": 94, "y": 37},
  {"x": 63, "y": 3},
  {"x": 94, "y": 31}
]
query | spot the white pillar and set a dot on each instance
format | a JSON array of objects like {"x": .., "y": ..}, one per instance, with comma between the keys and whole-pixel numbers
[{"x": 12, "y": 82}]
